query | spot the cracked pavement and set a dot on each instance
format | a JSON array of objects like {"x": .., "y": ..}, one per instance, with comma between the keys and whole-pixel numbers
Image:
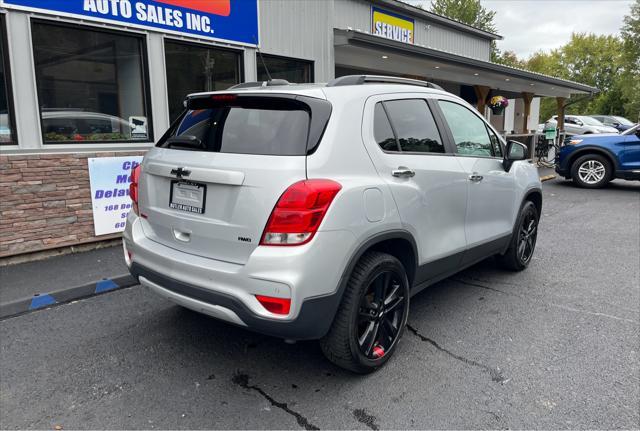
[{"x": 553, "y": 347}]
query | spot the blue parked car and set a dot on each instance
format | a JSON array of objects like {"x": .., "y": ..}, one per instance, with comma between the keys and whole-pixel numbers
[{"x": 591, "y": 161}]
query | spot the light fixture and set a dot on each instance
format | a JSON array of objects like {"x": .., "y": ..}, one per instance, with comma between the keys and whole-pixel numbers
[
  {"x": 507, "y": 79},
  {"x": 385, "y": 56},
  {"x": 437, "y": 67},
  {"x": 532, "y": 84},
  {"x": 476, "y": 74}
]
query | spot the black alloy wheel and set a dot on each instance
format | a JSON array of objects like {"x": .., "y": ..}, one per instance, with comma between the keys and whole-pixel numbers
[
  {"x": 381, "y": 314},
  {"x": 527, "y": 237},
  {"x": 523, "y": 241},
  {"x": 372, "y": 316}
]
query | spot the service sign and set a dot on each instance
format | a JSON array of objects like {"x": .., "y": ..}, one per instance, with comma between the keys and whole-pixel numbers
[
  {"x": 392, "y": 26},
  {"x": 110, "y": 178},
  {"x": 228, "y": 20}
]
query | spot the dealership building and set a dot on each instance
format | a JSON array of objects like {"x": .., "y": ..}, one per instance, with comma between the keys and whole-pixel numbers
[{"x": 87, "y": 86}]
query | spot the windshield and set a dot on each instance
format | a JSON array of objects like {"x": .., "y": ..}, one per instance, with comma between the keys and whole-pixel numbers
[
  {"x": 632, "y": 130},
  {"x": 623, "y": 121},
  {"x": 590, "y": 121}
]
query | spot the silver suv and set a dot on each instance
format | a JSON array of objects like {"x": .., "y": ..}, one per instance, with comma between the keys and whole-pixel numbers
[{"x": 317, "y": 211}]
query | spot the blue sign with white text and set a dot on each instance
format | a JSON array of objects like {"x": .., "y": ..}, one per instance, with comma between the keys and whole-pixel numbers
[{"x": 230, "y": 20}]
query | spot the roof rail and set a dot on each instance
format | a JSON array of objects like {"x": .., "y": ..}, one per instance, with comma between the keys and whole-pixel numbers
[
  {"x": 379, "y": 79},
  {"x": 271, "y": 83}
]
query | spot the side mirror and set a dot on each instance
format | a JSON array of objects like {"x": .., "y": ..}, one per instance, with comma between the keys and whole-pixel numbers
[{"x": 515, "y": 151}]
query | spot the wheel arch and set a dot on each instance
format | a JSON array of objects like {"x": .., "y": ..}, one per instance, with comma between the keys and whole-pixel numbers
[
  {"x": 398, "y": 243},
  {"x": 535, "y": 196},
  {"x": 592, "y": 150}
]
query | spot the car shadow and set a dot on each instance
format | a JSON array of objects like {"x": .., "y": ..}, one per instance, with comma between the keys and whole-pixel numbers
[{"x": 253, "y": 353}]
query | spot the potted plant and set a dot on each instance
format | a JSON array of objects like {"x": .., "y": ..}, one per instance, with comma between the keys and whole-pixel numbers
[{"x": 497, "y": 104}]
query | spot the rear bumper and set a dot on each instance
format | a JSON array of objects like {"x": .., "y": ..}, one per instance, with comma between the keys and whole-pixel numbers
[
  {"x": 308, "y": 274},
  {"x": 312, "y": 321}
]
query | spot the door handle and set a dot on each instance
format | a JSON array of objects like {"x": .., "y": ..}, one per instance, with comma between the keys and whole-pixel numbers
[
  {"x": 403, "y": 172},
  {"x": 475, "y": 177}
]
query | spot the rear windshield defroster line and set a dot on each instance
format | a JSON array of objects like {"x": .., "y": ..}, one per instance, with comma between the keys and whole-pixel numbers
[{"x": 281, "y": 125}]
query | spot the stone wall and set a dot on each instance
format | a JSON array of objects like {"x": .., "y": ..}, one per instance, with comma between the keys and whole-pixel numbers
[{"x": 45, "y": 201}]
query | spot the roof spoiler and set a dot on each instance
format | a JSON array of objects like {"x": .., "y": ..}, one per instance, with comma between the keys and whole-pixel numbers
[{"x": 379, "y": 79}]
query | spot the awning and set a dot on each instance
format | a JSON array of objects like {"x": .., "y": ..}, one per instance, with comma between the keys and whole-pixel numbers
[{"x": 365, "y": 51}]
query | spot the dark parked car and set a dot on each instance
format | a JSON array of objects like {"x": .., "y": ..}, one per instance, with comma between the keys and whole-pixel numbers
[
  {"x": 616, "y": 121},
  {"x": 592, "y": 161}
]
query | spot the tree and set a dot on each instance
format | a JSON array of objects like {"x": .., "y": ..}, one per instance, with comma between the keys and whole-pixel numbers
[
  {"x": 466, "y": 11},
  {"x": 469, "y": 12},
  {"x": 631, "y": 39}
]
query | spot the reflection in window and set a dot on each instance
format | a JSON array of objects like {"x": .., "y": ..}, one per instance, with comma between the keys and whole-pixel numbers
[
  {"x": 382, "y": 130},
  {"x": 90, "y": 85},
  {"x": 469, "y": 131},
  {"x": 7, "y": 133},
  {"x": 292, "y": 70},
  {"x": 193, "y": 68},
  {"x": 414, "y": 125},
  {"x": 496, "y": 147}
]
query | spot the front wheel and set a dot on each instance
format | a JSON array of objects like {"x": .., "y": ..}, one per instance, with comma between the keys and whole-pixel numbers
[
  {"x": 372, "y": 316},
  {"x": 591, "y": 171},
  {"x": 523, "y": 241}
]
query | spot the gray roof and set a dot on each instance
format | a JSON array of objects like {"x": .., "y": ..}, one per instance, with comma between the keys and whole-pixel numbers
[{"x": 414, "y": 11}]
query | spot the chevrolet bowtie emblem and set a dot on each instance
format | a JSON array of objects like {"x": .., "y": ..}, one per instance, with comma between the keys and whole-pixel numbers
[{"x": 180, "y": 172}]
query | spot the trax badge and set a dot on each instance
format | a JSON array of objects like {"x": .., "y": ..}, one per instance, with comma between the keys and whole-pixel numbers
[{"x": 180, "y": 172}]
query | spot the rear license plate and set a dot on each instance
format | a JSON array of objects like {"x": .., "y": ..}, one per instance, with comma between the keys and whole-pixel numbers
[{"x": 188, "y": 196}]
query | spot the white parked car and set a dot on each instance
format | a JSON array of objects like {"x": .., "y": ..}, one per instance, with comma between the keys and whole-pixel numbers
[
  {"x": 581, "y": 125},
  {"x": 317, "y": 211}
]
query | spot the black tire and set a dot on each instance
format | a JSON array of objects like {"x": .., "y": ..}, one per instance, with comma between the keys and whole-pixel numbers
[
  {"x": 514, "y": 259},
  {"x": 347, "y": 342},
  {"x": 591, "y": 171}
]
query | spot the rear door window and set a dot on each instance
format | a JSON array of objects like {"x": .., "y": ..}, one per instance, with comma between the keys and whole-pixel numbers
[
  {"x": 260, "y": 125},
  {"x": 414, "y": 126},
  {"x": 382, "y": 130}
]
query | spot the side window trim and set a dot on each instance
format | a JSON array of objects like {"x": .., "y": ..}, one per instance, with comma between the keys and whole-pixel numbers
[
  {"x": 393, "y": 128},
  {"x": 439, "y": 128},
  {"x": 441, "y": 123},
  {"x": 450, "y": 133}
]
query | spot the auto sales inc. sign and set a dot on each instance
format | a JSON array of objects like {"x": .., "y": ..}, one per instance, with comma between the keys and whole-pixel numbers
[
  {"x": 391, "y": 25},
  {"x": 228, "y": 20}
]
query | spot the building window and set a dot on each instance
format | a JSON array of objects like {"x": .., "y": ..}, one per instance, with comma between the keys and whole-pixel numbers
[
  {"x": 7, "y": 125},
  {"x": 291, "y": 69},
  {"x": 91, "y": 85},
  {"x": 194, "y": 68}
]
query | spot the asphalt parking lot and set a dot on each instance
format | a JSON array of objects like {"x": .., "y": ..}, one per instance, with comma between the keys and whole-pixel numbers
[{"x": 556, "y": 346}]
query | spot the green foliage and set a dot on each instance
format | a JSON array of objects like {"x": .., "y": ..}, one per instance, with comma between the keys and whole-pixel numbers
[
  {"x": 610, "y": 63},
  {"x": 466, "y": 11},
  {"x": 469, "y": 12},
  {"x": 599, "y": 61}
]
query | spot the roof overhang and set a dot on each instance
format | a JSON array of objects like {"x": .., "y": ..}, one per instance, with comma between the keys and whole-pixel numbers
[{"x": 363, "y": 50}]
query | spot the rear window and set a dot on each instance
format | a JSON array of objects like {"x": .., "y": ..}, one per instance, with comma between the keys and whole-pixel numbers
[{"x": 249, "y": 125}]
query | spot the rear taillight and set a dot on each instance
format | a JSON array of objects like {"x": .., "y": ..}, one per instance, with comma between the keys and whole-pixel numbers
[
  {"x": 299, "y": 212},
  {"x": 275, "y": 305},
  {"x": 133, "y": 189}
]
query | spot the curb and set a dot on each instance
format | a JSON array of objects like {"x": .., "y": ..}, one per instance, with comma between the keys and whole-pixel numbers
[
  {"x": 547, "y": 178},
  {"x": 41, "y": 301}
]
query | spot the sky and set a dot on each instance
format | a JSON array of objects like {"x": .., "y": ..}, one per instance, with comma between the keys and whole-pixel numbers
[{"x": 531, "y": 25}]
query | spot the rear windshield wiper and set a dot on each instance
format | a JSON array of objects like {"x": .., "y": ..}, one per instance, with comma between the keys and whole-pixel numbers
[{"x": 184, "y": 142}]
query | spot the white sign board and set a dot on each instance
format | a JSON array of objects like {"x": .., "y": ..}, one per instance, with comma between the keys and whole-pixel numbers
[{"x": 110, "y": 178}]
